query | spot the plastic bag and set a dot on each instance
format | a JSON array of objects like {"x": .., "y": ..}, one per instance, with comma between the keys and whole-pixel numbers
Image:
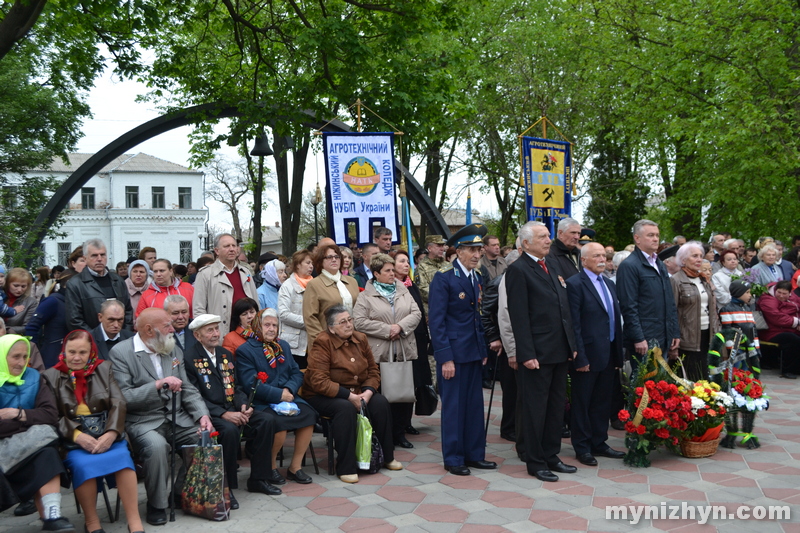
[
  {"x": 286, "y": 408},
  {"x": 363, "y": 440}
]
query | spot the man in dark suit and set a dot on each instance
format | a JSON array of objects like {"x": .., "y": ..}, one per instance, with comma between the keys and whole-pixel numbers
[
  {"x": 564, "y": 254},
  {"x": 645, "y": 296},
  {"x": 177, "y": 307},
  {"x": 362, "y": 273},
  {"x": 459, "y": 349},
  {"x": 596, "y": 319},
  {"x": 210, "y": 369},
  {"x": 539, "y": 310},
  {"x": 110, "y": 331}
]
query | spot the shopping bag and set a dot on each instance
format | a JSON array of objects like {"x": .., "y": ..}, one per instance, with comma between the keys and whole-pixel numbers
[
  {"x": 205, "y": 492},
  {"x": 363, "y": 440},
  {"x": 397, "y": 380},
  {"x": 427, "y": 400}
]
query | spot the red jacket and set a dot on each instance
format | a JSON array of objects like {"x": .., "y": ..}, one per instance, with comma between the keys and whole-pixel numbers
[
  {"x": 781, "y": 317},
  {"x": 155, "y": 295}
]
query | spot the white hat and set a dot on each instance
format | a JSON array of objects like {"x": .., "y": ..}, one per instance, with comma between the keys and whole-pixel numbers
[{"x": 204, "y": 320}]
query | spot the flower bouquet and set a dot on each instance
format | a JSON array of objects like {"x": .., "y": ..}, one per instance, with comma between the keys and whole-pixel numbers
[
  {"x": 756, "y": 289},
  {"x": 709, "y": 406},
  {"x": 747, "y": 394}
]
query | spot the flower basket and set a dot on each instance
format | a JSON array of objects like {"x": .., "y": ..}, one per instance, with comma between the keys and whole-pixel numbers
[{"x": 695, "y": 450}]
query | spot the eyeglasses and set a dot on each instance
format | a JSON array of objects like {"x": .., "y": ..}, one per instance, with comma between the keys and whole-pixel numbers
[
  {"x": 331, "y": 257},
  {"x": 345, "y": 321}
]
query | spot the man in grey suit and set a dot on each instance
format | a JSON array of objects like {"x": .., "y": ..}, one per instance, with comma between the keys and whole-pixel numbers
[{"x": 149, "y": 369}]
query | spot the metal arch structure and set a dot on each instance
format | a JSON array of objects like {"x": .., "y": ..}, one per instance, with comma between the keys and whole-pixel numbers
[{"x": 192, "y": 115}]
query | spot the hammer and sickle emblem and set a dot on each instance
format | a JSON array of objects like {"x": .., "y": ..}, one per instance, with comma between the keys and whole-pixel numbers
[{"x": 548, "y": 194}]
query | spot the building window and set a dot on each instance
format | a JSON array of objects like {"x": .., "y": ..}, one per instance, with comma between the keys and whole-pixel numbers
[
  {"x": 184, "y": 197},
  {"x": 64, "y": 249},
  {"x": 133, "y": 248},
  {"x": 10, "y": 199},
  {"x": 132, "y": 197},
  {"x": 186, "y": 251},
  {"x": 87, "y": 198},
  {"x": 158, "y": 197}
]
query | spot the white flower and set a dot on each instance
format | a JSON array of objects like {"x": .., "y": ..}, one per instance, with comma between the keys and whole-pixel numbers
[{"x": 697, "y": 403}]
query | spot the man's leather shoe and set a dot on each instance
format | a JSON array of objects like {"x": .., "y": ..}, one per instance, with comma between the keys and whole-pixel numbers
[
  {"x": 509, "y": 436},
  {"x": 565, "y": 433},
  {"x": 546, "y": 475},
  {"x": 564, "y": 469},
  {"x": 587, "y": 459},
  {"x": 259, "y": 485},
  {"x": 275, "y": 478},
  {"x": 618, "y": 425},
  {"x": 156, "y": 516},
  {"x": 234, "y": 501},
  {"x": 403, "y": 443},
  {"x": 25, "y": 508},
  {"x": 411, "y": 430},
  {"x": 487, "y": 383},
  {"x": 460, "y": 470},
  {"x": 482, "y": 465},
  {"x": 610, "y": 452}
]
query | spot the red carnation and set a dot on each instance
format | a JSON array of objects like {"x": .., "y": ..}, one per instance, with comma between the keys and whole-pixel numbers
[
  {"x": 662, "y": 433},
  {"x": 675, "y": 441},
  {"x": 624, "y": 416},
  {"x": 701, "y": 412},
  {"x": 630, "y": 428},
  {"x": 262, "y": 377},
  {"x": 214, "y": 434},
  {"x": 641, "y": 430}
]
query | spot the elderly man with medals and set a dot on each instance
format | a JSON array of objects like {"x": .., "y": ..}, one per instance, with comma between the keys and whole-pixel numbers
[
  {"x": 210, "y": 369},
  {"x": 459, "y": 349}
]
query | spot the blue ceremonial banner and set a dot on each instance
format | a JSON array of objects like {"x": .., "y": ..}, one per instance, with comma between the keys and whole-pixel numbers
[
  {"x": 360, "y": 184},
  {"x": 547, "y": 171}
]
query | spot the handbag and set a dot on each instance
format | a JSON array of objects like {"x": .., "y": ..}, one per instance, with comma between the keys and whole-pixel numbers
[
  {"x": 427, "y": 400},
  {"x": 397, "y": 380},
  {"x": 205, "y": 492},
  {"x": 93, "y": 425},
  {"x": 758, "y": 318},
  {"x": 20, "y": 446}
]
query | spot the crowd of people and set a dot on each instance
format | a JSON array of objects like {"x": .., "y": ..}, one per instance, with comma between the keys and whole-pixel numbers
[{"x": 110, "y": 352}]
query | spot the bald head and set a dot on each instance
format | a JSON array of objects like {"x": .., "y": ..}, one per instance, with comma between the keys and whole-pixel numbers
[
  {"x": 155, "y": 330},
  {"x": 593, "y": 257}
]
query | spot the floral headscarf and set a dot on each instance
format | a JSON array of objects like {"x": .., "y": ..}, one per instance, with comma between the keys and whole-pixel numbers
[{"x": 272, "y": 349}]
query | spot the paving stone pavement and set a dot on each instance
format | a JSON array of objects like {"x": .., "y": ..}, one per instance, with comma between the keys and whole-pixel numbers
[{"x": 424, "y": 498}]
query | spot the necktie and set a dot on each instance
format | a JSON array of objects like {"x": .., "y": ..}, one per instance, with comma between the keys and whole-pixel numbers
[
  {"x": 609, "y": 308},
  {"x": 544, "y": 267}
]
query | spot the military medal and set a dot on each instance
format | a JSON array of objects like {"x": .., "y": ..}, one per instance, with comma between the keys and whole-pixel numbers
[
  {"x": 462, "y": 295},
  {"x": 563, "y": 284}
]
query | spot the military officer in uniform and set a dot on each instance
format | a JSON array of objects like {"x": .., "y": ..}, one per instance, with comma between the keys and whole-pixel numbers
[
  {"x": 433, "y": 263},
  {"x": 459, "y": 349}
]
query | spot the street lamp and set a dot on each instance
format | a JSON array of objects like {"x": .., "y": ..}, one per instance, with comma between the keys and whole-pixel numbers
[
  {"x": 203, "y": 236},
  {"x": 315, "y": 201}
]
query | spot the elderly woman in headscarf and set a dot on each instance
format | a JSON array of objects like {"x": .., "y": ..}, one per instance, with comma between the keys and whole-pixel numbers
[
  {"x": 27, "y": 404},
  {"x": 262, "y": 354},
  {"x": 91, "y": 423},
  {"x": 273, "y": 274},
  {"x": 697, "y": 309}
]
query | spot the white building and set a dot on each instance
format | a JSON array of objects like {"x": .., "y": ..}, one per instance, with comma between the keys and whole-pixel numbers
[{"x": 133, "y": 202}]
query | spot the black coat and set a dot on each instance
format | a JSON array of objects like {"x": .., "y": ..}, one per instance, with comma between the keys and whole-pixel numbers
[
  {"x": 590, "y": 320},
  {"x": 489, "y": 309},
  {"x": 99, "y": 340},
  {"x": 562, "y": 258},
  {"x": 539, "y": 310},
  {"x": 212, "y": 389},
  {"x": 647, "y": 303},
  {"x": 84, "y": 296}
]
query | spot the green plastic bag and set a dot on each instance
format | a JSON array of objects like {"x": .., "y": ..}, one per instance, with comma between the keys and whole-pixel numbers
[{"x": 363, "y": 440}]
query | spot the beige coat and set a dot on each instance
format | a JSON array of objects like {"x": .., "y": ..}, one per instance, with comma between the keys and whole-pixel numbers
[
  {"x": 374, "y": 317},
  {"x": 504, "y": 321},
  {"x": 322, "y": 294},
  {"x": 687, "y": 301},
  {"x": 213, "y": 292},
  {"x": 290, "y": 312}
]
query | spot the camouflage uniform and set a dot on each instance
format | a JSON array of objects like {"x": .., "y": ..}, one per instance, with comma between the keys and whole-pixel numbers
[{"x": 423, "y": 275}]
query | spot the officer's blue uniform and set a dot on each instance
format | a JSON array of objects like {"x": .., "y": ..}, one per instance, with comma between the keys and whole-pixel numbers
[{"x": 457, "y": 335}]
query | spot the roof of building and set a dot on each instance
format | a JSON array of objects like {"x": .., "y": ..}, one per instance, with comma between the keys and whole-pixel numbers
[
  {"x": 141, "y": 163},
  {"x": 453, "y": 216}
]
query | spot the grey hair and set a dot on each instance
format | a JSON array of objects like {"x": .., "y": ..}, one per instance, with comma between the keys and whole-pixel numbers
[
  {"x": 686, "y": 249},
  {"x": 675, "y": 239},
  {"x": 110, "y": 303},
  {"x": 380, "y": 232},
  {"x": 220, "y": 236},
  {"x": 727, "y": 244},
  {"x": 97, "y": 244},
  {"x": 332, "y": 312},
  {"x": 619, "y": 257},
  {"x": 526, "y": 231},
  {"x": 264, "y": 313},
  {"x": 174, "y": 299},
  {"x": 565, "y": 223},
  {"x": 512, "y": 256},
  {"x": 768, "y": 246},
  {"x": 637, "y": 227}
]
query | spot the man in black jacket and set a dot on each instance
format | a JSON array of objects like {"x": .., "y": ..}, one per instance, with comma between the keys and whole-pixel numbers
[
  {"x": 210, "y": 369},
  {"x": 645, "y": 296},
  {"x": 564, "y": 253},
  {"x": 87, "y": 291},
  {"x": 110, "y": 331}
]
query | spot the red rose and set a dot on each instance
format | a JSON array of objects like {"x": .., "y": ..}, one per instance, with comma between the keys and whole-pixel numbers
[
  {"x": 624, "y": 416},
  {"x": 641, "y": 430},
  {"x": 675, "y": 441},
  {"x": 701, "y": 412}
]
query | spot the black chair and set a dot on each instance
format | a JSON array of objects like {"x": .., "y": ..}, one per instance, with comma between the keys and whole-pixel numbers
[{"x": 101, "y": 483}]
